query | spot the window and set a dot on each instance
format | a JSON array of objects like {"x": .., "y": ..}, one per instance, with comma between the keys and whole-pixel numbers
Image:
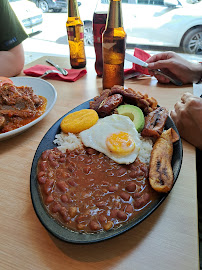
[{"x": 151, "y": 2}]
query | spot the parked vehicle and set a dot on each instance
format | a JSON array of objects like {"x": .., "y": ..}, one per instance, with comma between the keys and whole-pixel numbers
[
  {"x": 29, "y": 15},
  {"x": 172, "y": 23},
  {"x": 51, "y": 5}
]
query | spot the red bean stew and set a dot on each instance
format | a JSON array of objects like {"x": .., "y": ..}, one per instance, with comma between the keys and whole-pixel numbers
[{"x": 86, "y": 191}]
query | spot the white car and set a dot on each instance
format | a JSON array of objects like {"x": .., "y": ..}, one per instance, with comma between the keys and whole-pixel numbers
[
  {"x": 30, "y": 16},
  {"x": 172, "y": 23}
]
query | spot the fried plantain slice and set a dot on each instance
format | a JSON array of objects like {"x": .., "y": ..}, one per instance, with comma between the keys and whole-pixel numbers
[{"x": 160, "y": 170}]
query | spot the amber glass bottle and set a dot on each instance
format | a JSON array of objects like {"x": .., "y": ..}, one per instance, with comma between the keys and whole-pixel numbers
[
  {"x": 75, "y": 36},
  {"x": 99, "y": 23},
  {"x": 114, "y": 43}
]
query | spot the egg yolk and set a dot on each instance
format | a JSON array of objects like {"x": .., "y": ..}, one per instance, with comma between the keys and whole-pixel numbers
[{"x": 120, "y": 143}]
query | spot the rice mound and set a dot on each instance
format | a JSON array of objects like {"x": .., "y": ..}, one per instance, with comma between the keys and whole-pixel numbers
[
  {"x": 145, "y": 150},
  {"x": 67, "y": 141},
  {"x": 70, "y": 141}
]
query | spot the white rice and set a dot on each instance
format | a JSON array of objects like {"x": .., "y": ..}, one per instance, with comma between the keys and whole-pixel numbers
[
  {"x": 145, "y": 150},
  {"x": 67, "y": 141},
  {"x": 70, "y": 141}
]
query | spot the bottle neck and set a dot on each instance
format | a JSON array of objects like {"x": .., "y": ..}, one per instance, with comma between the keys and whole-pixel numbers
[
  {"x": 73, "y": 10},
  {"x": 114, "y": 17}
]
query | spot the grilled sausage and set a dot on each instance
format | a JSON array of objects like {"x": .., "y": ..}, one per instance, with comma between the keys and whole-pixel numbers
[{"x": 109, "y": 104}]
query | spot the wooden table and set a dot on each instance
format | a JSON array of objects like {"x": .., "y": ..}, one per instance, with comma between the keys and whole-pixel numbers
[{"x": 166, "y": 240}]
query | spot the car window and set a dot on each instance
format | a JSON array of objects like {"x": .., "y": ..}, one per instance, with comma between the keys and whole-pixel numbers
[
  {"x": 14, "y": 0},
  {"x": 151, "y": 2},
  {"x": 123, "y": 1},
  {"x": 149, "y": 24},
  {"x": 130, "y": 1},
  {"x": 141, "y": 2}
]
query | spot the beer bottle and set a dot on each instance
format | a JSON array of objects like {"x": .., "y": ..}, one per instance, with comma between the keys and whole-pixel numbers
[
  {"x": 114, "y": 44},
  {"x": 99, "y": 22},
  {"x": 75, "y": 34}
]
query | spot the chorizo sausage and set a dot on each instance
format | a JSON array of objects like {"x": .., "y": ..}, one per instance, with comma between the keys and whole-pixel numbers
[{"x": 109, "y": 104}]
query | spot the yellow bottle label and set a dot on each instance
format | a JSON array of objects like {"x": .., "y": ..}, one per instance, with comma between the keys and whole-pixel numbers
[{"x": 75, "y": 32}]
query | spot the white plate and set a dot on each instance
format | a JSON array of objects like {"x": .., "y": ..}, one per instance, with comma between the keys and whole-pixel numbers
[{"x": 40, "y": 87}]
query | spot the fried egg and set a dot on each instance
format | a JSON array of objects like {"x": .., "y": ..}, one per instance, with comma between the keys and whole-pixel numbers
[{"x": 115, "y": 136}]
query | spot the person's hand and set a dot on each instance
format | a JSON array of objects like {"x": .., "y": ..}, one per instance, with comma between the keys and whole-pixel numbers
[
  {"x": 185, "y": 71},
  {"x": 187, "y": 116}
]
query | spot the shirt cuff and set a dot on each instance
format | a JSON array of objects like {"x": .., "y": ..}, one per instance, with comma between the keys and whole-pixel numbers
[{"x": 200, "y": 80}]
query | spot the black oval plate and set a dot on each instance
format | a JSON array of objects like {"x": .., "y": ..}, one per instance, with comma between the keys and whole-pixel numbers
[{"x": 74, "y": 237}]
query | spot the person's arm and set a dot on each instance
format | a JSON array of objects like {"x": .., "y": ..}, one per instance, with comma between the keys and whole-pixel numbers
[
  {"x": 184, "y": 70},
  {"x": 187, "y": 116},
  {"x": 12, "y": 61},
  {"x": 11, "y": 38}
]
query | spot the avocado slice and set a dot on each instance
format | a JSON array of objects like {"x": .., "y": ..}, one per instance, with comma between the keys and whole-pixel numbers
[{"x": 134, "y": 113}]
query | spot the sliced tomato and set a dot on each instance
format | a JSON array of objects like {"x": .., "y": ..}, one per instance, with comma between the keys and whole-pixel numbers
[{"x": 5, "y": 80}]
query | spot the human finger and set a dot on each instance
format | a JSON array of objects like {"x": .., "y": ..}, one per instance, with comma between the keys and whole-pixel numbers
[
  {"x": 162, "y": 79},
  {"x": 154, "y": 58},
  {"x": 178, "y": 106},
  {"x": 166, "y": 65},
  {"x": 151, "y": 72},
  {"x": 186, "y": 96},
  {"x": 173, "y": 115},
  {"x": 159, "y": 56}
]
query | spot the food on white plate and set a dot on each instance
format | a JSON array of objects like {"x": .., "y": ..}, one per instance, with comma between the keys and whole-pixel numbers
[
  {"x": 97, "y": 177},
  {"x": 19, "y": 106},
  {"x": 4, "y": 80},
  {"x": 134, "y": 113}
]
